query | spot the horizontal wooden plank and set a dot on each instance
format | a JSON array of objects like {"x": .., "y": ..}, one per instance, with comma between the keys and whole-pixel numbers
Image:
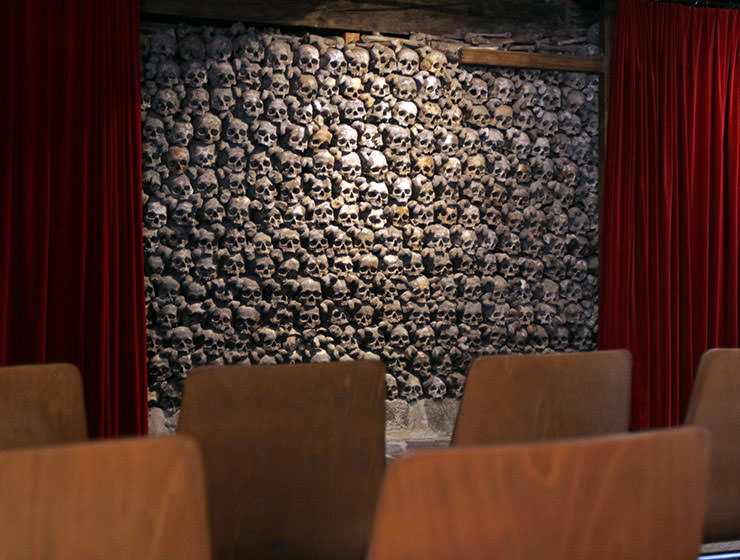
[
  {"x": 493, "y": 57},
  {"x": 402, "y": 17}
]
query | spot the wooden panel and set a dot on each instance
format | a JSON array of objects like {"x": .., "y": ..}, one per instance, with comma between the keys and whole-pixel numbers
[
  {"x": 294, "y": 455},
  {"x": 625, "y": 497},
  {"x": 715, "y": 405},
  {"x": 385, "y": 16},
  {"x": 41, "y": 404},
  {"x": 134, "y": 498},
  {"x": 526, "y": 397},
  {"x": 493, "y": 57}
]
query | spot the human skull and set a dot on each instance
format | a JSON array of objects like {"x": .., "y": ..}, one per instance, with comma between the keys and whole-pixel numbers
[
  {"x": 333, "y": 61},
  {"x": 307, "y": 59},
  {"x": 279, "y": 55},
  {"x": 358, "y": 60}
]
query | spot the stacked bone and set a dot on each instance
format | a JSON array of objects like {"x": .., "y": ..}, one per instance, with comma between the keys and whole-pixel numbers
[{"x": 307, "y": 200}]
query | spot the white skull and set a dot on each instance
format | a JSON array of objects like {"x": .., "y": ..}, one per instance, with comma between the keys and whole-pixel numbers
[
  {"x": 358, "y": 60},
  {"x": 350, "y": 87},
  {"x": 333, "y": 61},
  {"x": 402, "y": 190},
  {"x": 404, "y": 113},
  {"x": 307, "y": 59},
  {"x": 379, "y": 87},
  {"x": 377, "y": 194},
  {"x": 397, "y": 138},
  {"x": 382, "y": 59},
  {"x": 345, "y": 138}
]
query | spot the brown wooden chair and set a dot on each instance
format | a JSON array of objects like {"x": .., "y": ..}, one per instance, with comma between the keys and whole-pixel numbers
[
  {"x": 293, "y": 454},
  {"x": 41, "y": 404},
  {"x": 715, "y": 405},
  {"x": 124, "y": 499},
  {"x": 527, "y": 397},
  {"x": 620, "y": 497}
]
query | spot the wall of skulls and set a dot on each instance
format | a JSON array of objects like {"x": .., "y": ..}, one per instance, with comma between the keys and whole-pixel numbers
[{"x": 311, "y": 200}]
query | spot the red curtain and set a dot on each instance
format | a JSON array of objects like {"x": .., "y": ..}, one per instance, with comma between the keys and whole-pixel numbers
[
  {"x": 669, "y": 258},
  {"x": 71, "y": 263}
]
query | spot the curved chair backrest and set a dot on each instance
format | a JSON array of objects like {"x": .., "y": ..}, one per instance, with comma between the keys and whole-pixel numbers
[
  {"x": 715, "y": 405},
  {"x": 293, "y": 455},
  {"x": 131, "y": 498},
  {"x": 621, "y": 497},
  {"x": 528, "y": 397},
  {"x": 41, "y": 404}
]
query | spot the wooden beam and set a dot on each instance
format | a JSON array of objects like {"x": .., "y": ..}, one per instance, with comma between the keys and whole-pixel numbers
[{"x": 492, "y": 57}]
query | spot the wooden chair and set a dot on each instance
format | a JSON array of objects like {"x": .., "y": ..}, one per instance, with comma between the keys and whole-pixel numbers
[
  {"x": 620, "y": 497},
  {"x": 293, "y": 454},
  {"x": 527, "y": 397},
  {"x": 41, "y": 404},
  {"x": 715, "y": 405},
  {"x": 124, "y": 499}
]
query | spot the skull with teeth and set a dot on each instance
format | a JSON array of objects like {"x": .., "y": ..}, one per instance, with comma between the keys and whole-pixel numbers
[
  {"x": 378, "y": 87},
  {"x": 345, "y": 138},
  {"x": 358, "y": 60},
  {"x": 279, "y": 55},
  {"x": 349, "y": 167}
]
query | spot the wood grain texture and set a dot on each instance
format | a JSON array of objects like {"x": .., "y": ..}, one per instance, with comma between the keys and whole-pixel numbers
[
  {"x": 625, "y": 497},
  {"x": 526, "y": 397},
  {"x": 385, "y": 16},
  {"x": 293, "y": 454},
  {"x": 715, "y": 405},
  {"x": 125, "y": 499},
  {"x": 492, "y": 57},
  {"x": 41, "y": 404}
]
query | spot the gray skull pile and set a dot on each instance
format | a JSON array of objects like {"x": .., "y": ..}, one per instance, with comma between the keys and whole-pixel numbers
[{"x": 310, "y": 200}]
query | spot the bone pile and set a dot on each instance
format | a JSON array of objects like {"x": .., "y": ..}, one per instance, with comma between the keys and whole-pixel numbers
[{"x": 307, "y": 200}]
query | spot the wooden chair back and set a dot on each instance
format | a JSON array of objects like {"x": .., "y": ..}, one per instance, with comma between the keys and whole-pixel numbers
[
  {"x": 294, "y": 455},
  {"x": 715, "y": 405},
  {"x": 124, "y": 499},
  {"x": 620, "y": 497},
  {"x": 41, "y": 404},
  {"x": 527, "y": 397}
]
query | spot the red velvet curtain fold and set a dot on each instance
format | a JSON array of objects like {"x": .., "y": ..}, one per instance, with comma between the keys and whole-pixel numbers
[
  {"x": 671, "y": 219},
  {"x": 71, "y": 263}
]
